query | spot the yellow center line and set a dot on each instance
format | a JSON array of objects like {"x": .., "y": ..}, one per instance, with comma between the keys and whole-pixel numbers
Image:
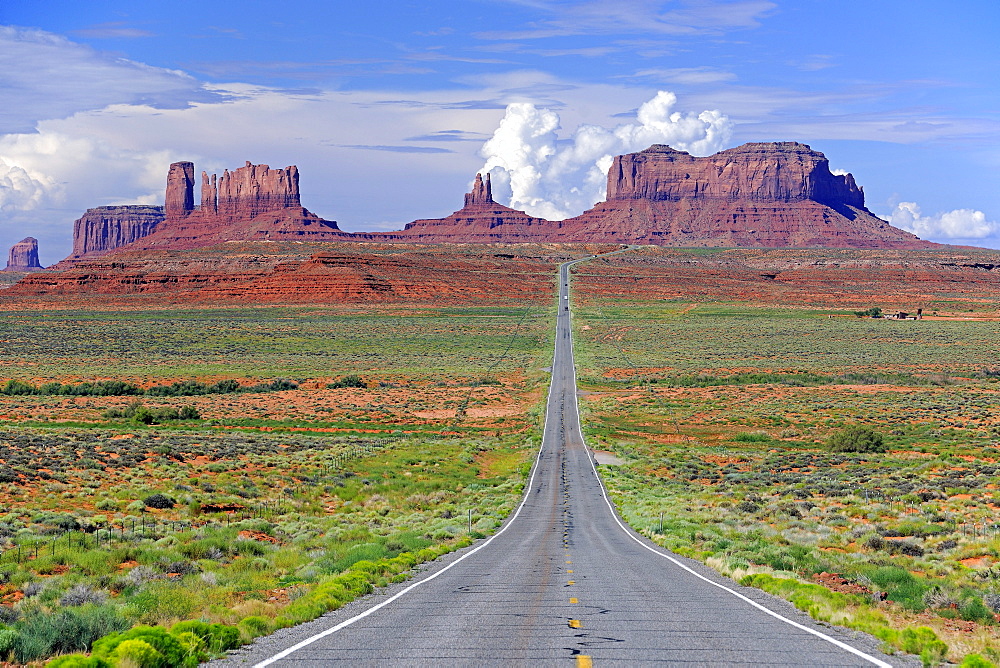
[
  {"x": 572, "y": 582},
  {"x": 574, "y": 623},
  {"x": 584, "y": 661},
  {"x": 574, "y": 600}
]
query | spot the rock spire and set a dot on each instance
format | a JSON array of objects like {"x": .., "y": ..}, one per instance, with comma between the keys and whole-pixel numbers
[
  {"x": 482, "y": 193},
  {"x": 179, "y": 200}
]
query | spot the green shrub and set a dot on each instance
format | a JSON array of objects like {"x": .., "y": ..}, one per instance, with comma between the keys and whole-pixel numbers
[
  {"x": 976, "y": 661},
  {"x": 901, "y": 587},
  {"x": 218, "y": 637},
  {"x": 194, "y": 646},
  {"x": 138, "y": 653},
  {"x": 71, "y": 630},
  {"x": 254, "y": 626},
  {"x": 974, "y": 610},
  {"x": 856, "y": 439},
  {"x": 169, "y": 651},
  {"x": 751, "y": 437},
  {"x": 77, "y": 661},
  {"x": 159, "y": 501},
  {"x": 923, "y": 642},
  {"x": 163, "y": 600},
  {"x": 8, "y": 637},
  {"x": 347, "y": 381}
]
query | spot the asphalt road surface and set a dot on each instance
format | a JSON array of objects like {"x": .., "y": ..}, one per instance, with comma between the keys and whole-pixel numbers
[{"x": 564, "y": 582}]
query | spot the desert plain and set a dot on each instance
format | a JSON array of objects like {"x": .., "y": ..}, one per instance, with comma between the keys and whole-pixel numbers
[{"x": 249, "y": 453}]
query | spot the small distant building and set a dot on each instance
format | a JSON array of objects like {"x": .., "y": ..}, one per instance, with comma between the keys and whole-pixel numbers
[{"x": 903, "y": 315}]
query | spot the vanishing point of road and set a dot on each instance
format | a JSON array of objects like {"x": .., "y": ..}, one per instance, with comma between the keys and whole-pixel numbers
[{"x": 565, "y": 582}]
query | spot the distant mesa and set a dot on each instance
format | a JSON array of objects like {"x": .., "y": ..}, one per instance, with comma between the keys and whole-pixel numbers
[
  {"x": 23, "y": 256},
  {"x": 252, "y": 202},
  {"x": 105, "y": 228},
  {"x": 758, "y": 195}
]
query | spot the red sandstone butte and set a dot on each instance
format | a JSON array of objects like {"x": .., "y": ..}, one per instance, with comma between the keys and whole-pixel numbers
[
  {"x": 253, "y": 202},
  {"x": 24, "y": 256},
  {"x": 105, "y": 228},
  {"x": 770, "y": 195},
  {"x": 481, "y": 220}
]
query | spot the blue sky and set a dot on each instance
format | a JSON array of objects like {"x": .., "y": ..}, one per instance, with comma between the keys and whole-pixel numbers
[{"x": 387, "y": 107}]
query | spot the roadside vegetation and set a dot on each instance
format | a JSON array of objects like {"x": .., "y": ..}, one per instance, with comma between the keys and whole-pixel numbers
[
  {"x": 153, "y": 518},
  {"x": 849, "y": 465}
]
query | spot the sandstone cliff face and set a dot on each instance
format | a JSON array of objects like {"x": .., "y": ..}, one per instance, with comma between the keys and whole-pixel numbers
[
  {"x": 251, "y": 190},
  {"x": 762, "y": 172},
  {"x": 179, "y": 199},
  {"x": 24, "y": 256},
  {"x": 106, "y": 228},
  {"x": 766, "y": 195}
]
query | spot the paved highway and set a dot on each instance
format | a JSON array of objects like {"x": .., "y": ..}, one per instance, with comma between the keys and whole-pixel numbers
[{"x": 565, "y": 583}]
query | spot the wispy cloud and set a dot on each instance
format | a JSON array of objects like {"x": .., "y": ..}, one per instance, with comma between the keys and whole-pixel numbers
[
  {"x": 451, "y": 135},
  {"x": 681, "y": 75},
  {"x": 111, "y": 30},
  {"x": 814, "y": 63},
  {"x": 46, "y": 76},
  {"x": 432, "y": 56},
  {"x": 237, "y": 70},
  {"x": 637, "y": 17},
  {"x": 397, "y": 149}
]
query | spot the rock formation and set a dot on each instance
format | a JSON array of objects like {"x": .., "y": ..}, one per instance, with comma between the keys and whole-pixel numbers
[
  {"x": 777, "y": 194},
  {"x": 482, "y": 193},
  {"x": 770, "y": 195},
  {"x": 255, "y": 189},
  {"x": 105, "y": 228},
  {"x": 252, "y": 202},
  {"x": 765, "y": 172},
  {"x": 179, "y": 200},
  {"x": 24, "y": 256},
  {"x": 481, "y": 220},
  {"x": 288, "y": 272}
]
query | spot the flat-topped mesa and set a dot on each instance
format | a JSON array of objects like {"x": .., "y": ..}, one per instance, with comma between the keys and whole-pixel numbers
[
  {"x": 482, "y": 193},
  {"x": 105, "y": 228},
  {"x": 24, "y": 256},
  {"x": 760, "y": 195},
  {"x": 755, "y": 172}
]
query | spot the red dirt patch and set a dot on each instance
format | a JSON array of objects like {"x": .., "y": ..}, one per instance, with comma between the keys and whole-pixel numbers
[{"x": 257, "y": 535}]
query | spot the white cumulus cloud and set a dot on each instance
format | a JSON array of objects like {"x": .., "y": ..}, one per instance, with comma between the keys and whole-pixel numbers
[
  {"x": 21, "y": 189},
  {"x": 535, "y": 171},
  {"x": 957, "y": 224}
]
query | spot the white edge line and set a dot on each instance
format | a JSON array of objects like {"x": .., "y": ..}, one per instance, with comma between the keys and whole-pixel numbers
[
  {"x": 375, "y": 608},
  {"x": 658, "y": 552}
]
